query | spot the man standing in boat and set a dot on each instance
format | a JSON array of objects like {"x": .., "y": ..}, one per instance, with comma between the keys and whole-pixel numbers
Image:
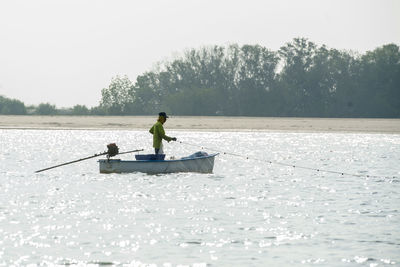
[{"x": 158, "y": 133}]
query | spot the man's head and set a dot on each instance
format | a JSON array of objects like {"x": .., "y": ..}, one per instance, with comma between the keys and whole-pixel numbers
[{"x": 162, "y": 117}]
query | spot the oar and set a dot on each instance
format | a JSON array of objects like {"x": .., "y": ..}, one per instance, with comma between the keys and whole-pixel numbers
[{"x": 95, "y": 155}]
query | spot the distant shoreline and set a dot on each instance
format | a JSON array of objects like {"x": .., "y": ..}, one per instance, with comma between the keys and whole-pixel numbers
[{"x": 204, "y": 123}]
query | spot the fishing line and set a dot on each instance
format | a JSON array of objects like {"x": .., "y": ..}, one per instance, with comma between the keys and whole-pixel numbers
[{"x": 287, "y": 164}]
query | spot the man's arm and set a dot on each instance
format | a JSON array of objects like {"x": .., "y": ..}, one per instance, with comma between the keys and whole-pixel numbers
[{"x": 163, "y": 135}]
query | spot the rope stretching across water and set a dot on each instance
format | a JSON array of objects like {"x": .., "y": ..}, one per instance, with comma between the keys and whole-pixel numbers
[{"x": 289, "y": 165}]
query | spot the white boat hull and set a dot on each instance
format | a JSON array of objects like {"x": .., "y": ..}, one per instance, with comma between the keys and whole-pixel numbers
[{"x": 204, "y": 164}]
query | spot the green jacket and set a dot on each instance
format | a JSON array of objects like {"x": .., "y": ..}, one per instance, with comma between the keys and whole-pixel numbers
[{"x": 158, "y": 134}]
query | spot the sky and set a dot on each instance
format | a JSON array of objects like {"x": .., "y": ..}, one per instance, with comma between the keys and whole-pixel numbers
[{"x": 64, "y": 52}]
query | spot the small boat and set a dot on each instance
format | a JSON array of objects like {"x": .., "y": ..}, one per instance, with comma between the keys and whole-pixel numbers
[{"x": 198, "y": 162}]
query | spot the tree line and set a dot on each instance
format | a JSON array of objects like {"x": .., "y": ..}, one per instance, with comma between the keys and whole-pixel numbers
[
  {"x": 300, "y": 79},
  {"x": 10, "y": 106}
]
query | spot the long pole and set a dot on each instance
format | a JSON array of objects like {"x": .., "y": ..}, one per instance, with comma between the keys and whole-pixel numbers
[{"x": 95, "y": 155}]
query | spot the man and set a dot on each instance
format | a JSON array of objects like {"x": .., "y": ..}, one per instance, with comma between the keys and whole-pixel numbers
[{"x": 158, "y": 133}]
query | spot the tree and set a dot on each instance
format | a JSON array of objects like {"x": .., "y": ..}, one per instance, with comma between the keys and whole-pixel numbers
[
  {"x": 46, "y": 109},
  {"x": 11, "y": 106},
  {"x": 256, "y": 80},
  {"x": 117, "y": 96},
  {"x": 297, "y": 58},
  {"x": 80, "y": 110},
  {"x": 332, "y": 83},
  {"x": 380, "y": 82}
]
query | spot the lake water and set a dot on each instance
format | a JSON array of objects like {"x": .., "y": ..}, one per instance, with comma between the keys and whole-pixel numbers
[{"x": 247, "y": 213}]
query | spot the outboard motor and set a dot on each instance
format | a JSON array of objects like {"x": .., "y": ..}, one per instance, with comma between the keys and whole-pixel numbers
[{"x": 113, "y": 150}]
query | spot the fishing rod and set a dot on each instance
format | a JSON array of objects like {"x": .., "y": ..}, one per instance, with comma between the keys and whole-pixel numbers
[
  {"x": 112, "y": 151},
  {"x": 289, "y": 165}
]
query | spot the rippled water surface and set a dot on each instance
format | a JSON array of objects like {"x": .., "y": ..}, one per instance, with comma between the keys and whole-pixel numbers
[{"x": 247, "y": 213}]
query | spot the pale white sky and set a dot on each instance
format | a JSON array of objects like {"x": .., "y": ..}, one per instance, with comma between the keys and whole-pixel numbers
[{"x": 65, "y": 52}]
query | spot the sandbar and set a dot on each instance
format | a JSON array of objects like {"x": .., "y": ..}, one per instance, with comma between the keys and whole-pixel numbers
[{"x": 204, "y": 123}]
